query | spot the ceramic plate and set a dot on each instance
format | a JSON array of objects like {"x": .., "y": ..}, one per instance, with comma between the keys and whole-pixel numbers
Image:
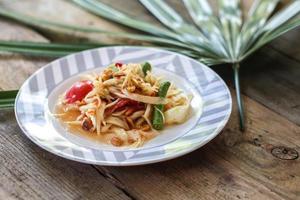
[{"x": 210, "y": 107}]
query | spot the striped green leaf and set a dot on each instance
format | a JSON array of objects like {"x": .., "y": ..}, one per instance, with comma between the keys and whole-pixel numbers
[
  {"x": 167, "y": 16},
  {"x": 50, "y": 46},
  {"x": 111, "y": 14},
  {"x": 230, "y": 17},
  {"x": 278, "y": 24},
  {"x": 280, "y": 18},
  {"x": 213, "y": 39},
  {"x": 44, "y": 49},
  {"x": 268, "y": 37},
  {"x": 61, "y": 49},
  {"x": 172, "y": 20},
  {"x": 256, "y": 19},
  {"x": 7, "y": 98},
  {"x": 204, "y": 18},
  {"x": 66, "y": 28}
]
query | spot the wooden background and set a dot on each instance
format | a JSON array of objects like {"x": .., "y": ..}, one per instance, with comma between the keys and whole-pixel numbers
[{"x": 235, "y": 165}]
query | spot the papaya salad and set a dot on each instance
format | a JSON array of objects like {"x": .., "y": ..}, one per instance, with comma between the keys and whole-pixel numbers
[{"x": 124, "y": 105}]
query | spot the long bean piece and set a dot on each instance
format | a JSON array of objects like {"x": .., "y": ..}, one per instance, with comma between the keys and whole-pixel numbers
[{"x": 158, "y": 116}]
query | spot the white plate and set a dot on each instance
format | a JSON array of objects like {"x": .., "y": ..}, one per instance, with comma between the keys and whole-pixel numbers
[{"x": 211, "y": 106}]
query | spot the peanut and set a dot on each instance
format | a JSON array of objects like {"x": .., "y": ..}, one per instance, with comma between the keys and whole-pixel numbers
[
  {"x": 131, "y": 88},
  {"x": 87, "y": 124},
  {"x": 145, "y": 127},
  {"x": 116, "y": 141}
]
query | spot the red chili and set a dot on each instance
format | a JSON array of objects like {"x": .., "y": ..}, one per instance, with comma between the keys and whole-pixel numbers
[
  {"x": 118, "y": 64},
  {"x": 78, "y": 91},
  {"x": 125, "y": 102}
]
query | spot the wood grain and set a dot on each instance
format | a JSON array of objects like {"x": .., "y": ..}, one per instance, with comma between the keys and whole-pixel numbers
[
  {"x": 275, "y": 71},
  {"x": 14, "y": 69},
  {"x": 235, "y": 165},
  {"x": 270, "y": 78},
  {"x": 71, "y": 14},
  {"x": 288, "y": 44},
  {"x": 251, "y": 151},
  {"x": 274, "y": 81},
  {"x": 29, "y": 172}
]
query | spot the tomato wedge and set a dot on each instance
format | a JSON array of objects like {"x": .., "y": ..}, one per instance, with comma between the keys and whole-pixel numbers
[{"x": 78, "y": 91}]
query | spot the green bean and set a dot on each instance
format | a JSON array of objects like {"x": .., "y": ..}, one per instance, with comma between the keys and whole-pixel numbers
[
  {"x": 163, "y": 89},
  {"x": 146, "y": 67},
  {"x": 158, "y": 118}
]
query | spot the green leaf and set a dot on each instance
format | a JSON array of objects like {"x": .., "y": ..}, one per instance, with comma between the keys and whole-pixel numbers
[
  {"x": 65, "y": 28},
  {"x": 272, "y": 35},
  {"x": 36, "y": 52},
  {"x": 204, "y": 18},
  {"x": 281, "y": 30},
  {"x": 7, "y": 98},
  {"x": 283, "y": 16},
  {"x": 257, "y": 18},
  {"x": 111, "y": 14},
  {"x": 44, "y": 49},
  {"x": 166, "y": 15},
  {"x": 202, "y": 15},
  {"x": 48, "y": 46},
  {"x": 280, "y": 23},
  {"x": 61, "y": 49},
  {"x": 171, "y": 19},
  {"x": 211, "y": 62},
  {"x": 231, "y": 20},
  {"x": 236, "y": 68},
  {"x": 215, "y": 39},
  {"x": 45, "y": 24}
]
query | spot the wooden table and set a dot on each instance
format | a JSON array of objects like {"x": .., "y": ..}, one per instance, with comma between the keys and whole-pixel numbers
[{"x": 235, "y": 165}]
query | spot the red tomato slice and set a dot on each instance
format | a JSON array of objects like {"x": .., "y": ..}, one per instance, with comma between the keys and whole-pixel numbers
[{"x": 78, "y": 91}]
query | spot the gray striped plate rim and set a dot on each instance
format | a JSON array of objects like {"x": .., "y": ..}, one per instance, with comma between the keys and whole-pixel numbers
[{"x": 211, "y": 105}]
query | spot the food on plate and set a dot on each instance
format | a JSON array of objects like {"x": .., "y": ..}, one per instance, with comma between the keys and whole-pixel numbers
[{"x": 124, "y": 105}]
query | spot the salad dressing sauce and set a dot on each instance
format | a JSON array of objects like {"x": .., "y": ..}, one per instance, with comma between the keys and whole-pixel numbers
[{"x": 71, "y": 115}]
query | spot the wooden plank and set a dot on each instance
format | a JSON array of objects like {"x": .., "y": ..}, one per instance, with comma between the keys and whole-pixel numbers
[
  {"x": 288, "y": 44},
  {"x": 128, "y": 6},
  {"x": 227, "y": 168},
  {"x": 273, "y": 72},
  {"x": 234, "y": 166},
  {"x": 14, "y": 69},
  {"x": 72, "y": 14},
  {"x": 252, "y": 153},
  {"x": 273, "y": 80},
  {"x": 29, "y": 172},
  {"x": 270, "y": 78}
]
